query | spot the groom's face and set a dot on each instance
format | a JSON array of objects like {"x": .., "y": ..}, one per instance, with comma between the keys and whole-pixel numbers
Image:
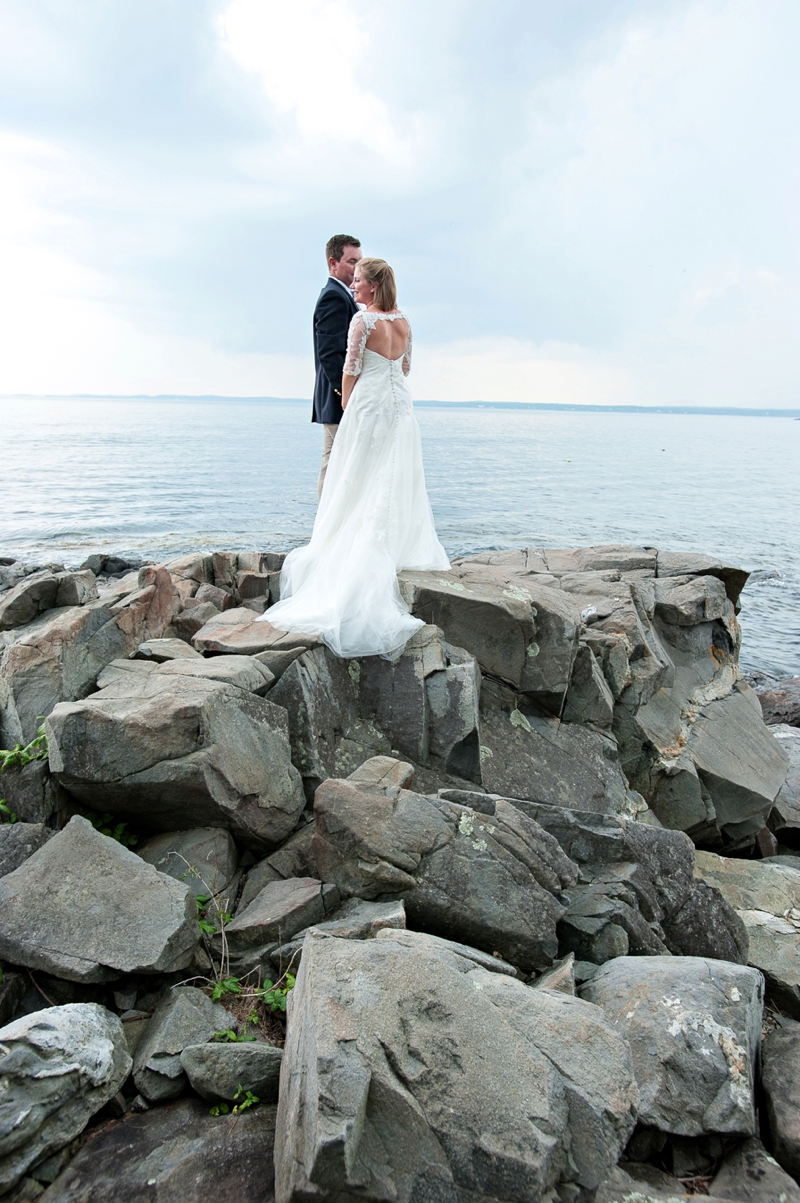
[{"x": 344, "y": 270}]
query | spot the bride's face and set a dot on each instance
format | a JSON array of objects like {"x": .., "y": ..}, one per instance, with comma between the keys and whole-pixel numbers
[{"x": 363, "y": 291}]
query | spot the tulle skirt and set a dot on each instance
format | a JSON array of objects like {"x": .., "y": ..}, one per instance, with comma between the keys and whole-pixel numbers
[{"x": 374, "y": 519}]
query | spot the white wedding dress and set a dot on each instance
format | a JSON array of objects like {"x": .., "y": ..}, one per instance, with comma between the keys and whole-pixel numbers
[{"x": 374, "y": 517}]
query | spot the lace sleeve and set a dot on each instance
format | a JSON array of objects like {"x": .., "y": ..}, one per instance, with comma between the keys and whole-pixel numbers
[
  {"x": 357, "y": 337},
  {"x": 407, "y": 353}
]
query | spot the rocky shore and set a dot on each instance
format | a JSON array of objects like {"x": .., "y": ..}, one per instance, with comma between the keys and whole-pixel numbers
[{"x": 512, "y": 918}]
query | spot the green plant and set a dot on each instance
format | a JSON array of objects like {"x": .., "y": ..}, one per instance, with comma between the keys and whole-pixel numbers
[
  {"x": 229, "y": 985},
  {"x": 248, "y": 1099},
  {"x": 21, "y": 755},
  {"x": 228, "y": 1036},
  {"x": 274, "y": 995},
  {"x": 119, "y": 831},
  {"x": 6, "y": 813},
  {"x": 219, "y": 1109},
  {"x": 206, "y": 928}
]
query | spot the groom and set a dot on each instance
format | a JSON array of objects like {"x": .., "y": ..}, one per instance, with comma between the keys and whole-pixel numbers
[{"x": 332, "y": 315}]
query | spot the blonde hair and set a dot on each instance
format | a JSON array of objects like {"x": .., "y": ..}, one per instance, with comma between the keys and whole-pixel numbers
[{"x": 378, "y": 272}]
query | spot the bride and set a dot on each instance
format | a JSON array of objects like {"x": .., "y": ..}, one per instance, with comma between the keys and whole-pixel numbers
[{"x": 374, "y": 517}]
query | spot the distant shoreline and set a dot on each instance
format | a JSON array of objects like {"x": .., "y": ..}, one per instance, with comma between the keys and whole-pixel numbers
[{"x": 552, "y": 407}]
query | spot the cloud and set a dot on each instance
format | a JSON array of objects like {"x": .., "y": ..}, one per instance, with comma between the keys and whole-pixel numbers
[{"x": 581, "y": 202}]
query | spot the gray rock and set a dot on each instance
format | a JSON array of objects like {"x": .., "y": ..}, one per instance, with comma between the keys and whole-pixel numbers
[
  {"x": 86, "y": 909},
  {"x": 174, "y": 1154},
  {"x": 120, "y": 673},
  {"x": 31, "y": 597},
  {"x": 384, "y": 773},
  {"x": 516, "y": 628},
  {"x": 159, "y": 651},
  {"x": 589, "y": 698},
  {"x": 243, "y": 671},
  {"x": 184, "y": 1016},
  {"x": 180, "y": 751},
  {"x": 353, "y": 920},
  {"x": 418, "y": 940},
  {"x": 750, "y": 1175},
  {"x": 780, "y": 701},
  {"x": 192, "y": 567},
  {"x": 740, "y": 764},
  {"x": 411, "y": 1072},
  {"x": 319, "y": 693},
  {"x": 453, "y": 697},
  {"x": 273, "y": 917},
  {"x": 561, "y": 977},
  {"x": 487, "y": 880},
  {"x": 238, "y": 632},
  {"x": 707, "y": 926},
  {"x": 694, "y": 1026},
  {"x": 59, "y": 656},
  {"x": 219, "y": 598},
  {"x": 295, "y": 858},
  {"x": 687, "y": 563},
  {"x": 641, "y": 873},
  {"x": 12, "y": 988},
  {"x": 31, "y": 793},
  {"x": 766, "y": 898},
  {"x": 19, "y": 841},
  {"x": 193, "y": 618},
  {"x": 395, "y": 697},
  {"x": 204, "y": 857},
  {"x": 58, "y": 1067},
  {"x": 526, "y": 756},
  {"x": 785, "y": 814},
  {"x": 76, "y": 588},
  {"x": 642, "y": 1183},
  {"x": 221, "y": 1071},
  {"x": 780, "y": 1082},
  {"x": 258, "y": 877}
]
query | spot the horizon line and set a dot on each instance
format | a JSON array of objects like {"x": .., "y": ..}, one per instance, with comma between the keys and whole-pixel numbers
[{"x": 552, "y": 406}]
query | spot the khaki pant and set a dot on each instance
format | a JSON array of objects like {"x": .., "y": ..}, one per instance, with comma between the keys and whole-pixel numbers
[{"x": 328, "y": 435}]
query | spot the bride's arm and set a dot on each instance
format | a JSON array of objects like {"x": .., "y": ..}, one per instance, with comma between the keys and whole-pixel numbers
[
  {"x": 348, "y": 384},
  {"x": 356, "y": 341}
]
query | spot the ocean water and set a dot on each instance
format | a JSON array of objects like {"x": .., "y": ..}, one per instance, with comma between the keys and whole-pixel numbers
[{"x": 157, "y": 478}]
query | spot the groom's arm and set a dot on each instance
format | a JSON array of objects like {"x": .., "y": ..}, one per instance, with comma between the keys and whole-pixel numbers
[{"x": 331, "y": 321}]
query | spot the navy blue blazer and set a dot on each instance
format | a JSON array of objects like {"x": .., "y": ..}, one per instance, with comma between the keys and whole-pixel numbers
[{"x": 332, "y": 316}]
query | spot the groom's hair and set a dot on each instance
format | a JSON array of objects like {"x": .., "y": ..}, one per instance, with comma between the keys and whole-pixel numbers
[{"x": 334, "y": 248}]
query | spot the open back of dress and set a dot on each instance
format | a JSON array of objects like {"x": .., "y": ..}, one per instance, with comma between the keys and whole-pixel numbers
[{"x": 374, "y": 517}]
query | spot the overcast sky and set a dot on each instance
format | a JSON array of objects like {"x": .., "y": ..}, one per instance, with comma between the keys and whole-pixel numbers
[{"x": 583, "y": 200}]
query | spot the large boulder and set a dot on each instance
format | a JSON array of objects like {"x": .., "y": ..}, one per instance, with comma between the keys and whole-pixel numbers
[
  {"x": 204, "y": 857},
  {"x": 59, "y": 655},
  {"x": 57, "y": 1068},
  {"x": 517, "y": 628},
  {"x": 174, "y": 1154},
  {"x": 18, "y": 842},
  {"x": 491, "y": 880},
  {"x": 184, "y": 1016},
  {"x": 228, "y": 1071},
  {"x": 86, "y": 909},
  {"x": 636, "y": 891},
  {"x": 694, "y": 1027},
  {"x": 277, "y": 913},
  {"x": 749, "y": 1175},
  {"x": 180, "y": 751},
  {"x": 410, "y": 1072},
  {"x": 238, "y": 632},
  {"x": 780, "y": 1081},
  {"x": 784, "y": 819},
  {"x": 767, "y": 899},
  {"x": 530, "y": 756}
]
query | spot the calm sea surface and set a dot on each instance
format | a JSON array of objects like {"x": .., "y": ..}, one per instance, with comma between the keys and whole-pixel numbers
[{"x": 157, "y": 478}]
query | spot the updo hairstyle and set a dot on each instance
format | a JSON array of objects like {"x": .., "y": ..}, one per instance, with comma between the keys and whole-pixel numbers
[{"x": 378, "y": 272}]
